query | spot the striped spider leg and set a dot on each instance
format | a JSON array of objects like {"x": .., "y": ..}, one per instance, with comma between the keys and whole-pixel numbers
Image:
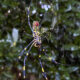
[
  {"x": 29, "y": 19},
  {"x": 49, "y": 58},
  {"x": 24, "y": 74},
  {"x": 24, "y": 50},
  {"x": 44, "y": 74},
  {"x": 31, "y": 43}
]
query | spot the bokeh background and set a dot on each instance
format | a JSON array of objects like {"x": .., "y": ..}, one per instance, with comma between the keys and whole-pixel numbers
[{"x": 60, "y": 30}]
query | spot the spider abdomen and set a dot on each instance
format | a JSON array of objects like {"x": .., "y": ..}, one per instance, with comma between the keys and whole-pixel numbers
[{"x": 37, "y": 41}]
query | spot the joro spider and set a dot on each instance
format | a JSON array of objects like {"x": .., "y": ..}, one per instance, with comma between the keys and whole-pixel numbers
[{"x": 36, "y": 42}]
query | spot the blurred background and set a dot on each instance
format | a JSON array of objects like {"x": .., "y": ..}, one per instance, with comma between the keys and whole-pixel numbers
[{"x": 60, "y": 31}]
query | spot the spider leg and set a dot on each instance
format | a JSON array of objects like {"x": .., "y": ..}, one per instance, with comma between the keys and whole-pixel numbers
[
  {"x": 44, "y": 74},
  {"x": 50, "y": 58},
  {"x": 24, "y": 74},
  {"x": 29, "y": 19},
  {"x": 24, "y": 67},
  {"x": 19, "y": 57}
]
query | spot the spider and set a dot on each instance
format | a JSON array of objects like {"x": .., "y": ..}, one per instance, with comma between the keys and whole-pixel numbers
[{"x": 36, "y": 42}]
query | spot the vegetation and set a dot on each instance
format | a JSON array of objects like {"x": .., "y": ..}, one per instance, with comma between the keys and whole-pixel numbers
[{"x": 60, "y": 29}]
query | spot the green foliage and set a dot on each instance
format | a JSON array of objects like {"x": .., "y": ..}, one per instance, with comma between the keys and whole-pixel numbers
[{"x": 60, "y": 32}]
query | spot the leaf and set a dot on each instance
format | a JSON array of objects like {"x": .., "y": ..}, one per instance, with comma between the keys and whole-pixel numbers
[
  {"x": 71, "y": 47},
  {"x": 73, "y": 69}
]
